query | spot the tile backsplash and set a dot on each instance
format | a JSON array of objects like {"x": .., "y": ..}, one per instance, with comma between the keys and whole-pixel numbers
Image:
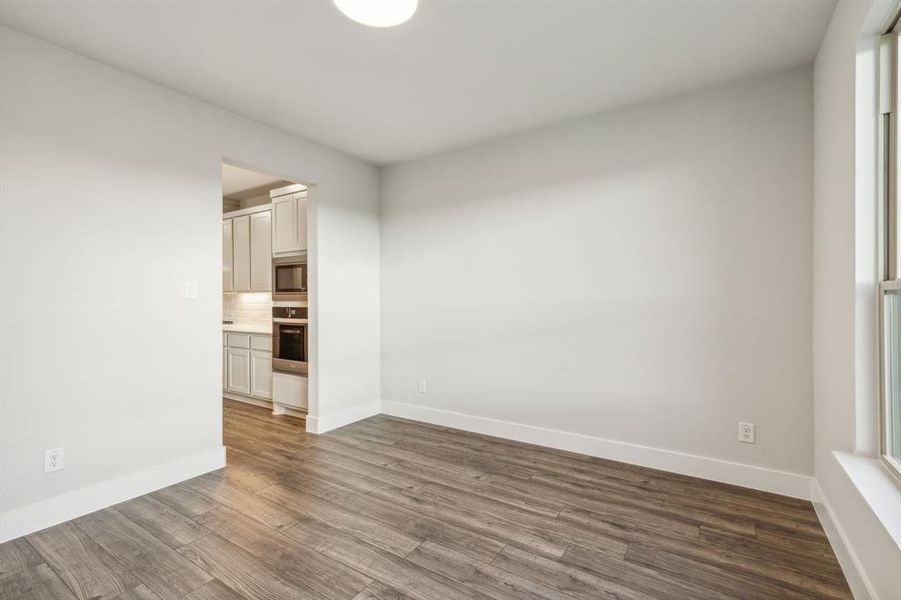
[{"x": 254, "y": 307}]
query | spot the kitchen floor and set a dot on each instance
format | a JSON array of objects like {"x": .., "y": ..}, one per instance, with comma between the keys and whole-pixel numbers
[{"x": 388, "y": 508}]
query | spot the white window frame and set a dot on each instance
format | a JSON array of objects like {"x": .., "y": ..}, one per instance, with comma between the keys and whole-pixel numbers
[{"x": 889, "y": 227}]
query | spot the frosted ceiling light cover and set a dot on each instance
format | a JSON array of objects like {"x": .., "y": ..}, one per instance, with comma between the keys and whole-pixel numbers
[{"x": 378, "y": 13}]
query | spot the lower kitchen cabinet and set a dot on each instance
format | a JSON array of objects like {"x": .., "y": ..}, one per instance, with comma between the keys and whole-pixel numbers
[
  {"x": 247, "y": 365},
  {"x": 238, "y": 378},
  {"x": 290, "y": 390},
  {"x": 261, "y": 374}
]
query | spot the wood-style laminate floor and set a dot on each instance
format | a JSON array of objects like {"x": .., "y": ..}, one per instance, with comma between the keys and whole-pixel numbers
[{"x": 392, "y": 509}]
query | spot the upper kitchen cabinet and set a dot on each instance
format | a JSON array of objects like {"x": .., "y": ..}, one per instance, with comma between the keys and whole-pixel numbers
[
  {"x": 261, "y": 251},
  {"x": 227, "y": 256},
  {"x": 289, "y": 220},
  {"x": 241, "y": 263},
  {"x": 247, "y": 250}
]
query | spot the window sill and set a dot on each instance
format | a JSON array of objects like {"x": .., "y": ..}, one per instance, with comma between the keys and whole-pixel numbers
[{"x": 877, "y": 487}]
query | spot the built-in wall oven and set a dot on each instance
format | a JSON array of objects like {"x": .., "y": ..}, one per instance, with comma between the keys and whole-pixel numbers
[
  {"x": 289, "y": 278},
  {"x": 290, "y": 339}
]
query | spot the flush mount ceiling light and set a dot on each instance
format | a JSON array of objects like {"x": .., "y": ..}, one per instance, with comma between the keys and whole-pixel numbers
[{"x": 378, "y": 13}]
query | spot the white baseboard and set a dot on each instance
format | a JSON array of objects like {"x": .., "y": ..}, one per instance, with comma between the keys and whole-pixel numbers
[
  {"x": 847, "y": 558},
  {"x": 750, "y": 476},
  {"x": 247, "y": 400},
  {"x": 53, "y": 511},
  {"x": 340, "y": 418}
]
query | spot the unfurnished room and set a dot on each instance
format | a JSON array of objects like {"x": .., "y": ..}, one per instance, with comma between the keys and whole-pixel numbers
[{"x": 450, "y": 300}]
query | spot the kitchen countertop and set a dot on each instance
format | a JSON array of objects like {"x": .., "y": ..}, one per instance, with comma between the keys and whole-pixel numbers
[{"x": 258, "y": 328}]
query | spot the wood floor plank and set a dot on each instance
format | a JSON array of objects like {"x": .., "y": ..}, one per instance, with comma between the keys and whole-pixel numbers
[
  {"x": 628, "y": 524},
  {"x": 570, "y": 580},
  {"x": 379, "y": 591},
  {"x": 214, "y": 590},
  {"x": 295, "y": 562},
  {"x": 560, "y": 530},
  {"x": 600, "y": 497},
  {"x": 252, "y": 505},
  {"x": 632, "y": 575},
  {"x": 185, "y": 500},
  {"x": 385, "y": 567},
  {"x": 481, "y": 577},
  {"x": 772, "y": 538},
  {"x": 768, "y": 574},
  {"x": 142, "y": 592},
  {"x": 358, "y": 525},
  {"x": 165, "y": 523},
  {"x": 243, "y": 572},
  {"x": 504, "y": 531},
  {"x": 414, "y": 524},
  {"x": 710, "y": 576},
  {"x": 156, "y": 564},
  {"x": 16, "y": 556},
  {"x": 87, "y": 569},
  {"x": 825, "y": 567},
  {"x": 34, "y": 583}
]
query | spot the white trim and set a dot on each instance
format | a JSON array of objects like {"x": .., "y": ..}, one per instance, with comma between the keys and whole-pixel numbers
[
  {"x": 340, "y": 418},
  {"x": 247, "y": 211},
  {"x": 860, "y": 586},
  {"x": 53, "y": 511},
  {"x": 795, "y": 485},
  {"x": 877, "y": 487},
  {"x": 247, "y": 399}
]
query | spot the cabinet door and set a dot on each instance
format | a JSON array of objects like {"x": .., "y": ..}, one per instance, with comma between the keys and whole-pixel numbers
[
  {"x": 261, "y": 251},
  {"x": 290, "y": 390},
  {"x": 239, "y": 370},
  {"x": 284, "y": 224},
  {"x": 224, "y": 369},
  {"x": 241, "y": 259},
  {"x": 300, "y": 212},
  {"x": 227, "y": 256},
  {"x": 261, "y": 374}
]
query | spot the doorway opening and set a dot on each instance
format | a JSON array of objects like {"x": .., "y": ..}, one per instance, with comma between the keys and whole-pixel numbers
[{"x": 266, "y": 317}]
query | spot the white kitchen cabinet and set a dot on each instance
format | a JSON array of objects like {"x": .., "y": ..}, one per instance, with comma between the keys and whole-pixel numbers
[
  {"x": 291, "y": 390},
  {"x": 289, "y": 223},
  {"x": 247, "y": 365},
  {"x": 261, "y": 251},
  {"x": 247, "y": 250},
  {"x": 261, "y": 374},
  {"x": 238, "y": 370},
  {"x": 241, "y": 257},
  {"x": 227, "y": 256},
  {"x": 239, "y": 340}
]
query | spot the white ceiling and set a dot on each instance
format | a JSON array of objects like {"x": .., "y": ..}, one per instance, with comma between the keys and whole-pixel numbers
[
  {"x": 236, "y": 180},
  {"x": 458, "y": 72}
]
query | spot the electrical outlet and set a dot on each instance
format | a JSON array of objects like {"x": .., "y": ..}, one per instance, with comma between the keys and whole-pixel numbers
[
  {"x": 747, "y": 433},
  {"x": 423, "y": 386},
  {"x": 54, "y": 459}
]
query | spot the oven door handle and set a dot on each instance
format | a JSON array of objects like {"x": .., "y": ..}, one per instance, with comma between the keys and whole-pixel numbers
[{"x": 297, "y": 331}]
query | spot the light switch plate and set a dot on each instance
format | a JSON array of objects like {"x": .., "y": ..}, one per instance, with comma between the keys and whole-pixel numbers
[{"x": 190, "y": 289}]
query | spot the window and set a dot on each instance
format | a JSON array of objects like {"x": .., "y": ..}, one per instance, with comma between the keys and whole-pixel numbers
[{"x": 890, "y": 259}]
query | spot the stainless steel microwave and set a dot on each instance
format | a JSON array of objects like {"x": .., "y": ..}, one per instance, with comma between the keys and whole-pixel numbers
[{"x": 289, "y": 278}]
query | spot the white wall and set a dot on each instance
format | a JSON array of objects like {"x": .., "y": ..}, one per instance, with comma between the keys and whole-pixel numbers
[
  {"x": 844, "y": 304},
  {"x": 110, "y": 199},
  {"x": 641, "y": 276}
]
